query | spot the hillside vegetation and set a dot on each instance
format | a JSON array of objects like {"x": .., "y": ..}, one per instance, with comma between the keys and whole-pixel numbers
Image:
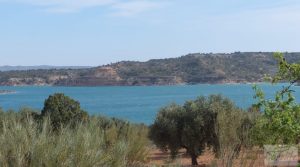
[{"x": 238, "y": 67}]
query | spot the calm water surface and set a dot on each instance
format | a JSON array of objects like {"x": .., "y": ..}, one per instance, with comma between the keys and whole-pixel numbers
[{"x": 137, "y": 103}]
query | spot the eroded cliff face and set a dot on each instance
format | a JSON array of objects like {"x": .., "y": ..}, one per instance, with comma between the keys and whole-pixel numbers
[
  {"x": 25, "y": 81},
  {"x": 107, "y": 73},
  {"x": 105, "y": 76},
  {"x": 95, "y": 77},
  {"x": 37, "y": 81}
]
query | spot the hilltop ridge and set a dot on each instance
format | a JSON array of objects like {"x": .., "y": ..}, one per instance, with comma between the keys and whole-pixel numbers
[
  {"x": 238, "y": 67},
  {"x": 45, "y": 67}
]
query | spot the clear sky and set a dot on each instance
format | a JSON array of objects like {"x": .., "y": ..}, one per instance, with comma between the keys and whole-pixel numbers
[{"x": 96, "y": 32}]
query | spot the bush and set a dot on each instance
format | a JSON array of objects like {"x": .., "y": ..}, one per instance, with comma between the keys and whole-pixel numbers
[
  {"x": 280, "y": 122},
  {"x": 26, "y": 113},
  {"x": 233, "y": 129},
  {"x": 63, "y": 110}
]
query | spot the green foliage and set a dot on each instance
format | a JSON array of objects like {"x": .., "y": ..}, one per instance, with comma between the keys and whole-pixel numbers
[
  {"x": 213, "y": 122},
  {"x": 280, "y": 123},
  {"x": 24, "y": 142},
  {"x": 63, "y": 110},
  {"x": 188, "y": 127},
  {"x": 165, "y": 130},
  {"x": 205, "y": 122},
  {"x": 286, "y": 71}
]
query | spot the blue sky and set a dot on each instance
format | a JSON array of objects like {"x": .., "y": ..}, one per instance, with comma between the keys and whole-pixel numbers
[{"x": 96, "y": 32}]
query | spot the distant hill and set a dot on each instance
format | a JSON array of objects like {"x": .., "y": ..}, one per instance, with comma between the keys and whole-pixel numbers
[
  {"x": 20, "y": 68},
  {"x": 238, "y": 67}
]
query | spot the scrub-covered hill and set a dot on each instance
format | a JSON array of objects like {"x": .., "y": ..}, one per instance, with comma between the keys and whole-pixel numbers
[{"x": 238, "y": 67}]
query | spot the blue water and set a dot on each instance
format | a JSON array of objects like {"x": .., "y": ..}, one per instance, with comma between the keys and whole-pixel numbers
[{"x": 137, "y": 104}]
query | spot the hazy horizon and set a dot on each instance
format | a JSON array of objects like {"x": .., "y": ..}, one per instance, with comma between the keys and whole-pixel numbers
[
  {"x": 90, "y": 66},
  {"x": 99, "y": 32}
]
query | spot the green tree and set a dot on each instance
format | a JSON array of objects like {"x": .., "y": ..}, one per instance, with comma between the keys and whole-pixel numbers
[
  {"x": 208, "y": 122},
  {"x": 190, "y": 126},
  {"x": 63, "y": 110},
  {"x": 280, "y": 123}
]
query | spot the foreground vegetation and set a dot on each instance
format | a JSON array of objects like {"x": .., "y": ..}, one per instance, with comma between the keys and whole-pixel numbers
[
  {"x": 215, "y": 122},
  {"x": 62, "y": 134},
  {"x": 28, "y": 139}
]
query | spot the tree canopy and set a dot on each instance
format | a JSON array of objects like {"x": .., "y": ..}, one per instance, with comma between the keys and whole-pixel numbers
[{"x": 63, "y": 110}]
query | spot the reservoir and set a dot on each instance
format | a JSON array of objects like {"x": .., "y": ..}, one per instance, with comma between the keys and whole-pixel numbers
[{"x": 138, "y": 104}]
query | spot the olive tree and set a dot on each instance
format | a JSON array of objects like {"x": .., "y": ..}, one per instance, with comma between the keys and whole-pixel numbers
[
  {"x": 63, "y": 110},
  {"x": 190, "y": 126},
  {"x": 208, "y": 122}
]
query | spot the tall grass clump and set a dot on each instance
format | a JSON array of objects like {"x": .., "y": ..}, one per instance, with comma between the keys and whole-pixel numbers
[
  {"x": 233, "y": 129},
  {"x": 26, "y": 142}
]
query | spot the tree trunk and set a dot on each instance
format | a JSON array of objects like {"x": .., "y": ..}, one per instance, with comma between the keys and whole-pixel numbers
[{"x": 194, "y": 159}]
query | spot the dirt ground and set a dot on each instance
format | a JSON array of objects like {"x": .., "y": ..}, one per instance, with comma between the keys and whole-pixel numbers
[{"x": 159, "y": 158}]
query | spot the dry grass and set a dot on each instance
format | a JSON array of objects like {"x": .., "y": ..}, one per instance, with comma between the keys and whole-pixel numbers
[{"x": 26, "y": 143}]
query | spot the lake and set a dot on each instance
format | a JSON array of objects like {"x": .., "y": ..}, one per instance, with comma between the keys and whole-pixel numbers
[{"x": 134, "y": 103}]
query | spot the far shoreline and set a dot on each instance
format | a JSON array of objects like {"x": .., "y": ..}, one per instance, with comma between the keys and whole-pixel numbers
[{"x": 5, "y": 92}]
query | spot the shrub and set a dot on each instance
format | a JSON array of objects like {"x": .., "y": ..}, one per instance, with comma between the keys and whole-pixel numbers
[
  {"x": 233, "y": 127},
  {"x": 63, "y": 110},
  {"x": 280, "y": 122},
  {"x": 26, "y": 113}
]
